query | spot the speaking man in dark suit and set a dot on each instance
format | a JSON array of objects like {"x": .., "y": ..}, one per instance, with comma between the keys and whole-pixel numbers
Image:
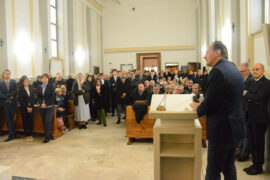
[
  {"x": 8, "y": 91},
  {"x": 244, "y": 149},
  {"x": 222, "y": 107},
  {"x": 257, "y": 96}
]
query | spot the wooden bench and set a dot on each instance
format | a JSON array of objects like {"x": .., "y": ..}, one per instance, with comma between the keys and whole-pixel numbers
[
  {"x": 37, "y": 126},
  {"x": 70, "y": 118},
  {"x": 135, "y": 130}
]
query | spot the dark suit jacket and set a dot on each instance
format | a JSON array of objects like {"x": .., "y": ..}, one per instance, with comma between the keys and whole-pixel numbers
[
  {"x": 257, "y": 97},
  {"x": 25, "y": 100},
  {"x": 113, "y": 84},
  {"x": 122, "y": 88},
  {"x": 248, "y": 80},
  {"x": 222, "y": 104},
  {"x": 48, "y": 96},
  {"x": 8, "y": 95}
]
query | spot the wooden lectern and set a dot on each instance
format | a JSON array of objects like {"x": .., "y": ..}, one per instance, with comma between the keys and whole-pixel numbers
[{"x": 177, "y": 139}]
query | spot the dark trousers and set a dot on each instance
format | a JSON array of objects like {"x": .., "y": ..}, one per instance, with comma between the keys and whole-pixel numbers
[
  {"x": 27, "y": 121},
  {"x": 244, "y": 148},
  {"x": 93, "y": 111},
  {"x": 256, "y": 138},
  {"x": 9, "y": 112},
  {"x": 114, "y": 102},
  {"x": 120, "y": 108},
  {"x": 47, "y": 116},
  {"x": 221, "y": 159}
]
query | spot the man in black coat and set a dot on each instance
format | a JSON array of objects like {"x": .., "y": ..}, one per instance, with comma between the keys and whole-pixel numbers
[
  {"x": 257, "y": 96},
  {"x": 133, "y": 86},
  {"x": 8, "y": 92},
  {"x": 122, "y": 95},
  {"x": 222, "y": 108},
  {"x": 70, "y": 82},
  {"x": 140, "y": 95},
  {"x": 113, "y": 82},
  {"x": 244, "y": 149}
]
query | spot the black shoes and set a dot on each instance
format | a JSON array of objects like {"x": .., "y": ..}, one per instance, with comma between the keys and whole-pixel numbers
[
  {"x": 242, "y": 158},
  {"x": 10, "y": 138},
  {"x": 124, "y": 117},
  {"x": 247, "y": 169},
  {"x": 112, "y": 114},
  {"x": 84, "y": 126},
  {"x": 105, "y": 125},
  {"x": 252, "y": 170},
  {"x": 118, "y": 122},
  {"x": 80, "y": 126},
  {"x": 99, "y": 123},
  {"x": 46, "y": 140}
]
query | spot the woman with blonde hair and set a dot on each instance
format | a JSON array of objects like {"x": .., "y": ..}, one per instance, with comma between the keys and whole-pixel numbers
[{"x": 81, "y": 91}]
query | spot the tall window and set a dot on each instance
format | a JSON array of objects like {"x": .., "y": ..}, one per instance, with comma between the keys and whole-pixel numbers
[{"x": 54, "y": 38}]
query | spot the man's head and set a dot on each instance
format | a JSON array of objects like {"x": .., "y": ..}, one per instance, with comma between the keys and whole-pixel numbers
[
  {"x": 114, "y": 72},
  {"x": 6, "y": 74},
  {"x": 244, "y": 70},
  {"x": 258, "y": 70},
  {"x": 123, "y": 74},
  {"x": 141, "y": 87},
  {"x": 195, "y": 88},
  {"x": 59, "y": 77},
  {"x": 45, "y": 78},
  {"x": 146, "y": 83},
  {"x": 156, "y": 89},
  {"x": 63, "y": 88},
  {"x": 132, "y": 74},
  {"x": 199, "y": 72},
  {"x": 215, "y": 52},
  {"x": 190, "y": 83},
  {"x": 152, "y": 83},
  {"x": 179, "y": 89}
]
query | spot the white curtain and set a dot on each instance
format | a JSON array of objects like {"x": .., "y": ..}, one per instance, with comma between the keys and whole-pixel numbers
[{"x": 256, "y": 15}]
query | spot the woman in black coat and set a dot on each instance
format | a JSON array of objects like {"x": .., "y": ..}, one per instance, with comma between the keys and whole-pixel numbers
[
  {"x": 81, "y": 91},
  {"x": 26, "y": 99},
  {"x": 45, "y": 98},
  {"x": 93, "y": 109}
]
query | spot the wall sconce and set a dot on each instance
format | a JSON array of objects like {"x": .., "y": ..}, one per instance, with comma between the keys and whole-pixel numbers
[{"x": 2, "y": 42}]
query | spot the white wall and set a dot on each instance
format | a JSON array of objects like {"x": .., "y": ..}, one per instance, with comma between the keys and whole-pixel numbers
[{"x": 154, "y": 23}]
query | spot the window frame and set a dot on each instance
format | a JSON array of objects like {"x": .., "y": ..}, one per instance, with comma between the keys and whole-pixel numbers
[{"x": 56, "y": 27}]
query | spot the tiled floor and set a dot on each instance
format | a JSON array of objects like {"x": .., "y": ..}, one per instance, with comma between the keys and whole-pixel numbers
[{"x": 97, "y": 153}]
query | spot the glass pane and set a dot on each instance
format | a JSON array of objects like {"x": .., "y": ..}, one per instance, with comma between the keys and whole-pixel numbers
[
  {"x": 53, "y": 15},
  {"x": 53, "y": 3},
  {"x": 54, "y": 48},
  {"x": 53, "y": 32}
]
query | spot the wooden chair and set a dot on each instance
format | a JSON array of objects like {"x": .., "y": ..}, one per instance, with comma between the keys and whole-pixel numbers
[{"x": 135, "y": 130}]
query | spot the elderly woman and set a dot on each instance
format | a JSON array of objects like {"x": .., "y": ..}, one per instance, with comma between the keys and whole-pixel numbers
[{"x": 81, "y": 91}]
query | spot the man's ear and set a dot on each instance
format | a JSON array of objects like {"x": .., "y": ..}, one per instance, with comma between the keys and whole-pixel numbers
[{"x": 218, "y": 52}]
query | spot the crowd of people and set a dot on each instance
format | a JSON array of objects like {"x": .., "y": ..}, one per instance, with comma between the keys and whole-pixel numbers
[{"x": 94, "y": 96}]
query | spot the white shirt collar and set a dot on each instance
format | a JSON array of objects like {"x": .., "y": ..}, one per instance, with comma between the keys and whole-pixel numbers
[{"x": 258, "y": 78}]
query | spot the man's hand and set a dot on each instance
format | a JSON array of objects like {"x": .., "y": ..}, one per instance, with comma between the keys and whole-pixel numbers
[
  {"x": 29, "y": 110},
  {"x": 43, "y": 105},
  {"x": 194, "y": 106},
  {"x": 245, "y": 92}
]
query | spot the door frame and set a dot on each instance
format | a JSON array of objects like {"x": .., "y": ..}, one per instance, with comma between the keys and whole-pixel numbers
[{"x": 158, "y": 54}]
